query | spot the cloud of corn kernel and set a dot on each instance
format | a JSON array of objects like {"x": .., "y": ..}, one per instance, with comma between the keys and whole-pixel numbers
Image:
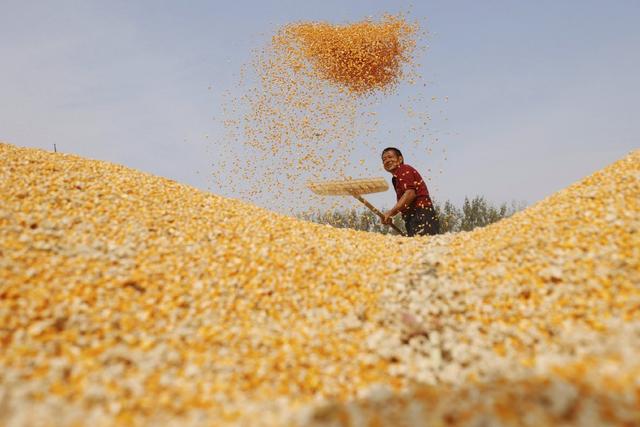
[{"x": 307, "y": 102}]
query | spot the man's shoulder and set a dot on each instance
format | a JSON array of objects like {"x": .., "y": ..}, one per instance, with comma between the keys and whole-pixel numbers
[{"x": 405, "y": 168}]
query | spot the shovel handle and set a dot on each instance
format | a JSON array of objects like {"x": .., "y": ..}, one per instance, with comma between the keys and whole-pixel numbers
[{"x": 376, "y": 211}]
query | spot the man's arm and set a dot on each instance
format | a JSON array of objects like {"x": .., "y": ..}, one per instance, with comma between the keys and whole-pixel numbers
[{"x": 407, "y": 198}]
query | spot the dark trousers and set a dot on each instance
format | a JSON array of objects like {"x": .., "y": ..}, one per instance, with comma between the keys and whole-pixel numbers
[{"x": 421, "y": 222}]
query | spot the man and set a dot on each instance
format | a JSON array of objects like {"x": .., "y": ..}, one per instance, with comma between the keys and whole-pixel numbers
[{"x": 413, "y": 200}]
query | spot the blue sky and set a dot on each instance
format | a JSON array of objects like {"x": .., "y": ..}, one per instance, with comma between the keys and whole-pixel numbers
[{"x": 539, "y": 94}]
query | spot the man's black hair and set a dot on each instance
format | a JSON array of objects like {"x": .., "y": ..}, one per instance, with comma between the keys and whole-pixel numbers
[{"x": 394, "y": 149}]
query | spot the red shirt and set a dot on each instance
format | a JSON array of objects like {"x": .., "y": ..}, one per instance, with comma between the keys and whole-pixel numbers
[{"x": 404, "y": 178}]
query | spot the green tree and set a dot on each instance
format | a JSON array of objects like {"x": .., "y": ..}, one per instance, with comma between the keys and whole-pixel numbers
[
  {"x": 449, "y": 217},
  {"x": 476, "y": 212}
]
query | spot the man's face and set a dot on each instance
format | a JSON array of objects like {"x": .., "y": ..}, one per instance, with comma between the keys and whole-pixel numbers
[{"x": 391, "y": 161}]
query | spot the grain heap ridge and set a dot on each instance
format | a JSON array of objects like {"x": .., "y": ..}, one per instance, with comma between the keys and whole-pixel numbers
[{"x": 127, "y": 298}]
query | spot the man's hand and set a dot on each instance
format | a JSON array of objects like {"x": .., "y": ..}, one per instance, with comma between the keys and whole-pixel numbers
[
  {"x": 406, "y": 199},
  {"x": 387, "y": 218}
]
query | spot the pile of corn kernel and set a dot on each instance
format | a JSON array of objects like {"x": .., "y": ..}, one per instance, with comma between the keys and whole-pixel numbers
[
  {"x": 310, "y": 98},
  {"x": 131, "y": 299},
  {"x": 534, "y": 320}
]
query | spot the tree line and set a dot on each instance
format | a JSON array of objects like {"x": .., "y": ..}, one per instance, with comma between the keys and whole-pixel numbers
[{"x": 475, "y": 212}]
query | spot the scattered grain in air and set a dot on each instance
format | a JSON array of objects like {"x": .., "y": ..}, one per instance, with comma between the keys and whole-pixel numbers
[{"x": 313, "y": 82}]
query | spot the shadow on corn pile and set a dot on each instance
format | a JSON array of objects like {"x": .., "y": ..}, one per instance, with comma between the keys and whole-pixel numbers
[{"x": 131, "y": 299}]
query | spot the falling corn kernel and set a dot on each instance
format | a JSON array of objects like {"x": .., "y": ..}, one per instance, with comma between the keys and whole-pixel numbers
[
  {"x": 312, "y": 83},
  {"x": 361, "y": 57}
]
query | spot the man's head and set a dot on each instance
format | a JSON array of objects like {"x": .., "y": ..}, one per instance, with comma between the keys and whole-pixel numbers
[{"x": 391, "y": 159}]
